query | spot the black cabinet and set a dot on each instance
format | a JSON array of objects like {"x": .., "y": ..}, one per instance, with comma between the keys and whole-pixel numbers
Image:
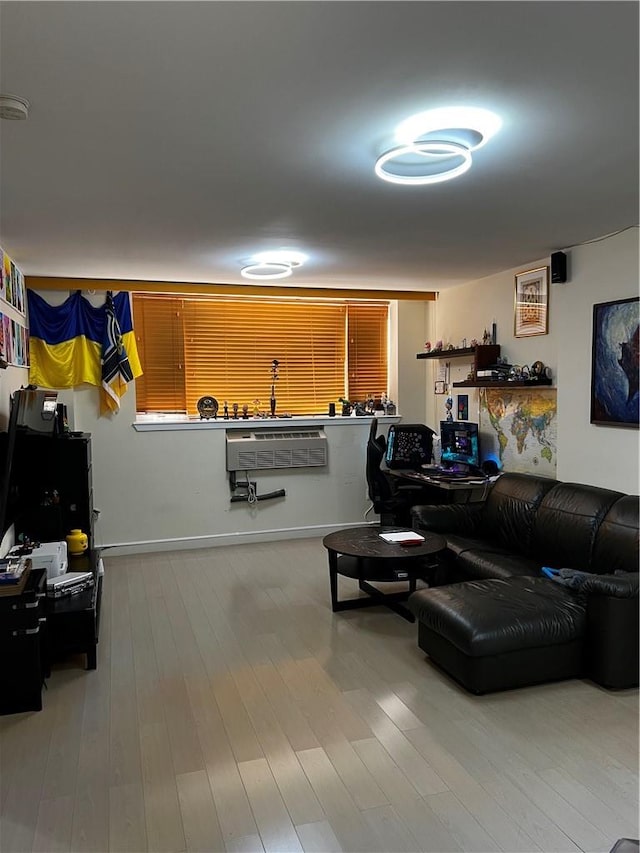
[
  {"x": 55, "y": 487},
  {"x": 73, "y": 621},
  {"x": 24, "y": 659}
]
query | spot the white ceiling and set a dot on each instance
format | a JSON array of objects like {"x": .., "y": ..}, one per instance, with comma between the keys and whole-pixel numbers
[{"x": 172, "y": 140}]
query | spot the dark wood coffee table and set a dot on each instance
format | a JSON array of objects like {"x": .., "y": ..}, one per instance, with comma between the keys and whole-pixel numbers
[{"x": 359, "y": 553}]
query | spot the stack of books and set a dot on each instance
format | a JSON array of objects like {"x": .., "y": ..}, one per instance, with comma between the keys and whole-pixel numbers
[{"x": 14, "y": 572}]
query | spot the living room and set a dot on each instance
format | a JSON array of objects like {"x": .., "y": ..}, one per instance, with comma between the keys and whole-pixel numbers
[{"x": 230, "y": 709}]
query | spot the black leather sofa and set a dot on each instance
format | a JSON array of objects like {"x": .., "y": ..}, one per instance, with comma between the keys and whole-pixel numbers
[{"x": 497, "y": 622}]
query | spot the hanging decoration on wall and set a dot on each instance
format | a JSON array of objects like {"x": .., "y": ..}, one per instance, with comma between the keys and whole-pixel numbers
[
  {"x": 14, "y": 337},
  {"x": 614, "y": 363},
  {"x": 75, "y": 342},
  {"x": 116, "y": 367}
]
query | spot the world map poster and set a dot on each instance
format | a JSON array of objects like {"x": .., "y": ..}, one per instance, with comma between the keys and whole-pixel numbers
[{"x": 518, "y": 428}]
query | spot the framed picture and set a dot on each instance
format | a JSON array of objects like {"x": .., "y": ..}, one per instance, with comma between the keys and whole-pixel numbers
[
  {"x": 532, "y": 303},
  {"x": 614, "y": 363},
  {"x": 463, "y": 407},
  {"x": 439, "y": 387}
]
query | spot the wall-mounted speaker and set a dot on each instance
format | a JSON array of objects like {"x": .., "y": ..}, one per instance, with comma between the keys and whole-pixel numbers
[{"x": 558, "y": 267}]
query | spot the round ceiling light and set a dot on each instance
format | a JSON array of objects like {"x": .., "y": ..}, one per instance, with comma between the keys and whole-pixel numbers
[
  {"x": 14, "y": 108},
  {"x": 441, "y": 134},
  {"x": 275, "y": 263},
  {"x": 424, "y": 149},
  {"x": 265, "y": 270},
  {"x": 280, "y": 256}
]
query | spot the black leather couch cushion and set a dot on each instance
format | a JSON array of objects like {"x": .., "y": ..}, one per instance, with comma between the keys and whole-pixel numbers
[
  {"x": 489, "y": 617},
  {"x": 490, "y": 563},
  {"x": 616, "y": 545},
  {"x": 510, "y": 509},
  {"x": 566, "y": 524}
]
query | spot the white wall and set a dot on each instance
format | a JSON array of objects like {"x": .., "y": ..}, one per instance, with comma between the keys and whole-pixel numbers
[
  {"x": 172, "y": 487},
  {"x": 602, "y": 455},
  {"x": 155, "y": 487},
  {"x": 598, "y": 272}
]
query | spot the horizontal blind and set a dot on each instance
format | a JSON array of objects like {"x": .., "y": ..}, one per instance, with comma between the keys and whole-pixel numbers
[
  {"x": 196, "y": 346},
  {"x": 158, "y": 330},
  {"x": 229, "y": 347},
  {"x": 367, "y": 351}
]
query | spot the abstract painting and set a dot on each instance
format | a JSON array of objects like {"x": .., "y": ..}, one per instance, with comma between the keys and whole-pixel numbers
[{"x": 614, "y": 367}]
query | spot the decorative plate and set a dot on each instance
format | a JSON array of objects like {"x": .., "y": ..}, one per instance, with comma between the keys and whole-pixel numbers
[{"x": 207, "y": 407}]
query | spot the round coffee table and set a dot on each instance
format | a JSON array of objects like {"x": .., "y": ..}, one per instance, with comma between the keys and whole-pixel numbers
[{"x": 360, "y": 553}]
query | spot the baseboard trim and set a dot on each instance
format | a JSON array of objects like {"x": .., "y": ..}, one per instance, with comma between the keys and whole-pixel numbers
[{"x": 215, "y": 540}]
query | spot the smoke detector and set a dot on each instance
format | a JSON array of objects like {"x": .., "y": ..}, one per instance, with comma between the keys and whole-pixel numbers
[{"x": 14, "y": 108}]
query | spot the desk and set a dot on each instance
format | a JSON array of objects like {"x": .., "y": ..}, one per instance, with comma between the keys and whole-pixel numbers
[{"x": 467, "y": 490}]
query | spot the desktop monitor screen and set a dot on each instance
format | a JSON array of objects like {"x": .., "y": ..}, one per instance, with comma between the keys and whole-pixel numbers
[{"x": 459, "y": 443}]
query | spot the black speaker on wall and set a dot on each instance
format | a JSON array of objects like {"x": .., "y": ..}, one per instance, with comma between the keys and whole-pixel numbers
[{"x": 558, "y": 267}]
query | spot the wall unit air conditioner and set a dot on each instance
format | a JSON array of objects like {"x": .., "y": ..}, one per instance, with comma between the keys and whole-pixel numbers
[{"x": 256, "y": 449}]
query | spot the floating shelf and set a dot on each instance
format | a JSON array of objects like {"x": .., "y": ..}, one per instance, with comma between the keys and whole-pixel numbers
[
  {"x": 482, "y": 356},
  {"x": 499, "y": 383},
  {"x": 448, "y": 353}
]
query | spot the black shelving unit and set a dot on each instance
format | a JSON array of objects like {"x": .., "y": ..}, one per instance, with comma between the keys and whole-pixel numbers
[{"x": 56, "y": 490}]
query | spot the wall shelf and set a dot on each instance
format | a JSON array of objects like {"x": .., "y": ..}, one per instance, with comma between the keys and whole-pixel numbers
[
  {"x": 482, "y": 356},
  {"x": 515, "y": 383},
  {"x": 454, "y": 353}
]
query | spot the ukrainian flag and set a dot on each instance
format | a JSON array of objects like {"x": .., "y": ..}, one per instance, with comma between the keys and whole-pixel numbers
[{"x": 66, "y": 341}]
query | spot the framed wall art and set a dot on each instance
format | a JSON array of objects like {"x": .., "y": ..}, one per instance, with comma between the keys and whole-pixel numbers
[
  {"x": 531, "y": 316},
  {"x": 463, "y": 407},
  {"x": 614, "y": 363}
]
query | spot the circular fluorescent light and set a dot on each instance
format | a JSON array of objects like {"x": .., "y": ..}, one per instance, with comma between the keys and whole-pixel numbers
[
  {"x": 427, "y": 149},
  {"x": 438, "y": 133},
  {"x": 269, "y": 269},
  {"x": 483, "y": 122},
  {"x": 280, "y": 256}
]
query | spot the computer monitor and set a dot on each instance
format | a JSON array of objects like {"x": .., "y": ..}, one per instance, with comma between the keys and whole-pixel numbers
[
  {"x": 459, "y": 443},
  {"x": 409, "y": 446}
]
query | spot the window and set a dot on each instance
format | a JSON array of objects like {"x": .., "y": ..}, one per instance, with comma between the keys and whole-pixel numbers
[{"x": 196, "y": 345}]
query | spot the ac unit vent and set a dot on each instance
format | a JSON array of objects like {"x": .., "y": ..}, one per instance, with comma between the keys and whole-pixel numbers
[{"x": 253, "y": 450}]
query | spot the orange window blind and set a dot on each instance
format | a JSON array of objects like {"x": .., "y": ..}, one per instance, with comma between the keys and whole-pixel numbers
[
  {"x": 192, "y": 346},
  {"x": 367, "y": 351}
]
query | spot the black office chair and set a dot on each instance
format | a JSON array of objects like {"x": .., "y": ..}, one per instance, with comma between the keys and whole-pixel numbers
[{"x": 392, "y": 500}]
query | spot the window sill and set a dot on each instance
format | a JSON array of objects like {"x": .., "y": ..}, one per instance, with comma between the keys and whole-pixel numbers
[{"x": 153, "y": 423}]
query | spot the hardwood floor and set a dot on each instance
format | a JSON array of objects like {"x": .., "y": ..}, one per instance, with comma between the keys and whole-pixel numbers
[{"x": 232, "y": 710}]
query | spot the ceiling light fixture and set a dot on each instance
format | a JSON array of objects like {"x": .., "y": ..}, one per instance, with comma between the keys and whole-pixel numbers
[
  {"x": 431, "y": 143},
  {"x": 14, "y": 108},
  {"x": 435, "y": 149},
  {"x": 276, "y": 263},
  {"x": 266, "y": 270}
]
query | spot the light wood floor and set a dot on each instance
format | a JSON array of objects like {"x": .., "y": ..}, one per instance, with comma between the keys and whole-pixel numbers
[{"x": 231, "y": 710}]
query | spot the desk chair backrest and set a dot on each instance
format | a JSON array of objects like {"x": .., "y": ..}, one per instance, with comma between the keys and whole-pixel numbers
[{"x": 380, "y": 492}]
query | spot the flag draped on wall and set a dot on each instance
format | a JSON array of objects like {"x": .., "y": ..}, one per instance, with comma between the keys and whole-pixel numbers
[
  {"x": 76, "y": 342},
  {"x": 116, "y": 368}
]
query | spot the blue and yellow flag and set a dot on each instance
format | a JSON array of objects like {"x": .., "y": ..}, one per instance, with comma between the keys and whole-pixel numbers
[
  {"x": 116, "y": 367},
  {"x": 69, "y": 342}
]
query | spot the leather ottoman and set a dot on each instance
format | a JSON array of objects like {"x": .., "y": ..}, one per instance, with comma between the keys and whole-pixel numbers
[{"x": 498, "y": 634}]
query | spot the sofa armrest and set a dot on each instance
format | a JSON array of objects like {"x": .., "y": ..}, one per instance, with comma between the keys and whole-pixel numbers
[
  {"x": 622, "y": 585},
  {"x": 449, "y": 518},
  {"x": 613, "y": 629}
]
